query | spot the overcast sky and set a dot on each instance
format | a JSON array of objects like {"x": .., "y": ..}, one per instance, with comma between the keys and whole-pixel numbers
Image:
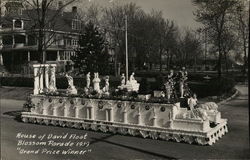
[{"x": 181, "y": 11}]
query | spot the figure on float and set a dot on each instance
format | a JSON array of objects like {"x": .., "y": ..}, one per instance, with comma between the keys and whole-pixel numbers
[{"x": 71, "y": 88}]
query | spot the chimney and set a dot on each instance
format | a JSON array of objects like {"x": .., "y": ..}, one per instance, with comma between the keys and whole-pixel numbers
[
  {"x": 60, "y": 7},
  {"x": 74, "y": 9}
]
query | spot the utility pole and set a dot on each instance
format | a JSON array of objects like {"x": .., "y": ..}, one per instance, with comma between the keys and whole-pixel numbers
[
  {"x": 205, "y": 63},
  {"x": 126, "y": 41},
  {"x": 1, "y": 41}
]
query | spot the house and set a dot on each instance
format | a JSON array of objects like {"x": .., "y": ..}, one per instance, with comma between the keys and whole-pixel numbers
[{"x": 19, "y": 36}]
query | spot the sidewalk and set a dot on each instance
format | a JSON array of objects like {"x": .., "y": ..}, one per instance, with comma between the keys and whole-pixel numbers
[{"x": 16, "y": 93}]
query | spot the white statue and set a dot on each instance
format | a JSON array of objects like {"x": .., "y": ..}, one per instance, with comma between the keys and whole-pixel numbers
[
  {"x": 123, "y": 79},
  {"x": 171, "y": 74},
  {"x": 106, "y": 88},
  {"x": 182, "y": 78},
  {"x": 201, "y": 111},
  {"x": 192, "y": 102},
  {"x": 132, "y": 78},
  {"x": 131, "y": 85},
  {"x": 88, "y": 80},
  {"x": 52, "y": 85},
  {"x": 71, "y": 88},
  {"x": 210, "y": 106},
  {"x": 168, "y": 90},
  {"x": 181, "y": 85},
  {"x": 96, "y": 82}
]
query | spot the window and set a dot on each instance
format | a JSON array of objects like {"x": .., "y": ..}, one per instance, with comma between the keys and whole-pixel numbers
[
  {"x": 31, "y": 40},
  {"x": 64, "y": 55},
  {"x": 34, "y": 56},
  {"x": 19, "y": 39},
  {"x": 61, "y": 54},
  {"x": 76, "y": 24},
  {"x": 74, "y": 42},
  {"x": 18, "y": 23},
  {"x": 51, "y": 55},
  {"x": 7, "y": 40}
]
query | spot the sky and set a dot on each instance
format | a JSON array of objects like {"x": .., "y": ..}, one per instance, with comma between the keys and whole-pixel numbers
[{"x": 181, "y": 11}]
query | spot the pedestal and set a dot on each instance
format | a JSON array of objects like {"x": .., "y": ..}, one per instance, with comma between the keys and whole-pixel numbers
[
  {"x": 125, "y": 117},
  {"x": 66, "y": 111},
  {"x": 90, "y": 113},
  {"x": 155, "y": 121},
  {"x": 111, "y": 118},
  {"x": 77, "y": 112},
  {"x": 139, "y": 119},
  {"x": 55, "y": 112},
  {"x": 107, "y": 115}
]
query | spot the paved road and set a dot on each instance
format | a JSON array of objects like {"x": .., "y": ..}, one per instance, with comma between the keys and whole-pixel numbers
[{"x": 234, "y": 145}]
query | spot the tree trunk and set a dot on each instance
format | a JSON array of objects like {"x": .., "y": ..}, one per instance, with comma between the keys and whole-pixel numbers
[
  {"x": 220, "y": 56},
  {"x": 40, "y": 47},
  {"x": 170, "y": 60},
  {"x": 245, "y": 58},
  {"x": 219, "y": 65},
  {"x": 225, "y": 56},
  {"x": 160, "y": 60},
  {"x": 115, "y": 65},
  {"x": 160, "y": 55}
]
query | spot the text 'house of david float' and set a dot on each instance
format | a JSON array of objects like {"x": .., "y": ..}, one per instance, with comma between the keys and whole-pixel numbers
[{"x": 123, "y": 112}]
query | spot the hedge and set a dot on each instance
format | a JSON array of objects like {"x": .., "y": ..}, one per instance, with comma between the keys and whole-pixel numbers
[{"x": 215, "y": 87}]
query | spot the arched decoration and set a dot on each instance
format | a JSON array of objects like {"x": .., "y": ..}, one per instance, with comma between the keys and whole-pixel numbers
[
  {"x": 72, "y": 101},
  {"x": 50, "y": 100},
  {"x": 100, "y": 104},
  {"x": 83, "y": 102},
  {"x": 163, "y": 109},
  {"x": 60, "y": 100},
  {"x": 132, "y": 106},
  {"x": 119, "y": 104}
]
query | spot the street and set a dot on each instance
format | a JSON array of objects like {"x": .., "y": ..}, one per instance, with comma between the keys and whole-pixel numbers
[{"x": 234, "y": 145}]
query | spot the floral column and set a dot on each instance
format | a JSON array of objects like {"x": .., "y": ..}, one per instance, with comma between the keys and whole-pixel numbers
[
  {"x": 46, "y": 76},
  {"x": 41, "y": 79},
  {"x": 36, "y": 80}
]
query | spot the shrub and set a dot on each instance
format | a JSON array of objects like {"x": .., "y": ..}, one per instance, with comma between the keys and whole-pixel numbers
[
  {"x": 144, "y": 86},
  {"x": 222, "y": 85},
  {"x": 159, "y": 83},
  {"x": 215, "y": 87},
  {"x": 17, "y": 81}
]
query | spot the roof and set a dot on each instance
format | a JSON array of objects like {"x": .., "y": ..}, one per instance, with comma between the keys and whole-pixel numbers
[{"x": 55, "y": 20}]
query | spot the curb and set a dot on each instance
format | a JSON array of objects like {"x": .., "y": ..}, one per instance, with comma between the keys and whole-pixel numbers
[
  {"x": 229, "y": 98},
  {"x": 11, "y": 87}
]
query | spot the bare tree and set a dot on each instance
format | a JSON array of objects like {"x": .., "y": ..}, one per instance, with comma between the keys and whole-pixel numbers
[
  {"x": 114, "y": 24},
  {"x": 43, "y": 22},
  {"x": 215, "y": 16},
  {"x": 242, "y": 22}
]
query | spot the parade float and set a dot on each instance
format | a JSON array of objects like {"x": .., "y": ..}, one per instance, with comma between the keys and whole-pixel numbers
[{"x": 160, "y": 115}]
